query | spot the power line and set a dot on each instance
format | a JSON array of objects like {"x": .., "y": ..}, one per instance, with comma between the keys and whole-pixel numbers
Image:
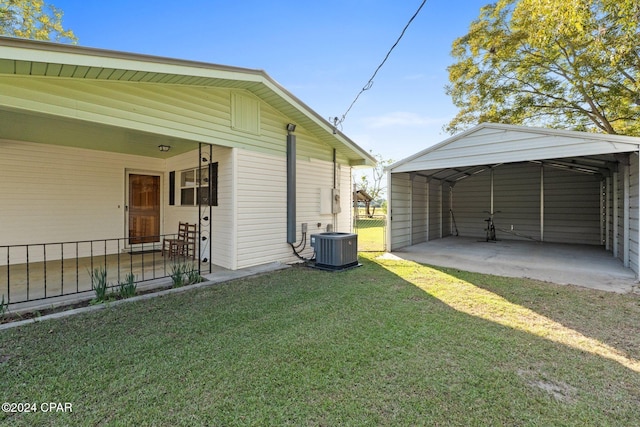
[{"x": 338, "y": 121}]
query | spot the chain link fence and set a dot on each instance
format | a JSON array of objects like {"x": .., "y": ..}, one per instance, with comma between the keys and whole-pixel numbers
[{"x": 371, "y": 231}]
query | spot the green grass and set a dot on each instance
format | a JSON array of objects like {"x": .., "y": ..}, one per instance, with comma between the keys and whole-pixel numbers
[
  {"x": 389, "y": 343},
  {"x": 371, "y": 234}
]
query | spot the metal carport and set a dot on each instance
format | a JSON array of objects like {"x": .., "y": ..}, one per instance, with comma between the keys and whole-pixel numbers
[{"x": 545, "y": 185}]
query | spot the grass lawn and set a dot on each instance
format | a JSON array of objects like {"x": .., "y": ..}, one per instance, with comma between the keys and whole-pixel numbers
[
  {"x": 371, "y": 236},
  {"x": 389, "y": 343}
]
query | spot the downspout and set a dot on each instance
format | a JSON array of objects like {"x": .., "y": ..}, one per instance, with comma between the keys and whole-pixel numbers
[
  {"x": 335, "y": 186},
  {"x": 291, "y": 184}
]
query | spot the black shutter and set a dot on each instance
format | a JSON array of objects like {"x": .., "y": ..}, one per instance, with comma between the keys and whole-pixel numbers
[
  {"x": 172, "y": 188},
  {"x": 213, "y": 184}
]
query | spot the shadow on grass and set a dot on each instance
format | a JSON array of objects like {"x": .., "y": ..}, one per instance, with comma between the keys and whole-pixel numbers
[
  {"x": 466, "y": 296},
  {"x": 609, "y": 317}
]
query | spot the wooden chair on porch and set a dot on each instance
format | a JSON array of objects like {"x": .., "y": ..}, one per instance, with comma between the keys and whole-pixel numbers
[{"x": 184, "y": 245}]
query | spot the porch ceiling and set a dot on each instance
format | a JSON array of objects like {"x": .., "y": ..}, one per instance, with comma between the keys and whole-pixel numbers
[{"x": 30, "y": 126}]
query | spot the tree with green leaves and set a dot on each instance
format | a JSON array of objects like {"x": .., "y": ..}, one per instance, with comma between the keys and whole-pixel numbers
[
  {"x": 553, "y": 63},
  {"x": 33, "y": 19},
  {"x": 373, "y": 183}
]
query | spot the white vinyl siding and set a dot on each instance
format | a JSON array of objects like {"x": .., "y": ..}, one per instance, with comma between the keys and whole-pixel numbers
[
  {"x": 62, "y": 194},
  {"x": 222, "y": 215},
  {"x": 262, "y": 206},
  {"x": 198, "y": 114}
]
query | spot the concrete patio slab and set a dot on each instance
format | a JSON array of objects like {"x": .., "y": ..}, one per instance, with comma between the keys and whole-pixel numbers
[{"x": 581, "y": 265}]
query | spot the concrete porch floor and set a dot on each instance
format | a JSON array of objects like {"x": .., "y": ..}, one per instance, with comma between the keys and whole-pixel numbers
[
  {"x": 582, "y": 265},
  {"x": 70, "y": 282}
]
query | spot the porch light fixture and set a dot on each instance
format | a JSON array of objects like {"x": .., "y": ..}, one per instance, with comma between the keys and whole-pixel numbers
[
  {"x": 291, "y": 127},
  {"x": 164, "y": 148}
]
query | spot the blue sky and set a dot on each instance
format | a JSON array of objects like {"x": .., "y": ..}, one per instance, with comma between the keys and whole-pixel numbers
[{"x": 324, "y": 52}]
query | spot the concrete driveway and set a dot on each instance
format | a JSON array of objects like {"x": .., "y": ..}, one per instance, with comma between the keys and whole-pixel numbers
[{"x": 582, "y": 265}]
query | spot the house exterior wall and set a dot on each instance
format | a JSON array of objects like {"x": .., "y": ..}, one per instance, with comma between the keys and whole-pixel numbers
[
  {"x": 57, "y": 194},
  {"x": 222, "y": 221},
  {"x": 262, "y": 205}
]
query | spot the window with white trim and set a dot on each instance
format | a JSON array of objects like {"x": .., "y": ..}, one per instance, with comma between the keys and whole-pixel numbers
[{"x": 198, "y": 186}]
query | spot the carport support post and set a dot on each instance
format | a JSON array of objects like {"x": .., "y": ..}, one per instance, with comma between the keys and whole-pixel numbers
[
  {"x": 541, "y": 202},
  {"x": 491, "y": 202},
  {"x": 616, "y": 208},
  {"x": 625, "y": 226},
  {"x": 607, "y": 213}
]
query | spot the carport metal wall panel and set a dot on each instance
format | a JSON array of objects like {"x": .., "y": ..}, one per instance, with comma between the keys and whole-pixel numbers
[
  {"x": 619, "y": 207},
  {"x": 516, "y": 195},
  {"x": 571, "y": 207},
  {"x": 472, "y": 196},
  {"x": 419, "y": 212},
  {"x": 445, "y": 211},
  {"x": 435, "y": 209},
  {"x": 400, "y": 216},
  {"x": 634, "y": 199}
]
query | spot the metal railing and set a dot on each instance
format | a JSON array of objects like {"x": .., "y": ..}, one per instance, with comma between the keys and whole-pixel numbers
[{"x": 33, "y": 272}]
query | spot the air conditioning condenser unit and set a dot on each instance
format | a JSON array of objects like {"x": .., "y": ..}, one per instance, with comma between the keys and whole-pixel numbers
[{"x": 335, "y": 251}]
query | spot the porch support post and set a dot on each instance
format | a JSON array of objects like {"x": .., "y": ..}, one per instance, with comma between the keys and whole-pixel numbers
[{"x": 205, "y": 212}]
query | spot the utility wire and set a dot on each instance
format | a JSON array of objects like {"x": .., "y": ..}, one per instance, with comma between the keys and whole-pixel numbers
[{"x": 338, "y": 121}]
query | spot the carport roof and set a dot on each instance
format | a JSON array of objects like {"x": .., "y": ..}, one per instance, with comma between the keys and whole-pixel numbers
[{"x": 490, "y": 144}]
